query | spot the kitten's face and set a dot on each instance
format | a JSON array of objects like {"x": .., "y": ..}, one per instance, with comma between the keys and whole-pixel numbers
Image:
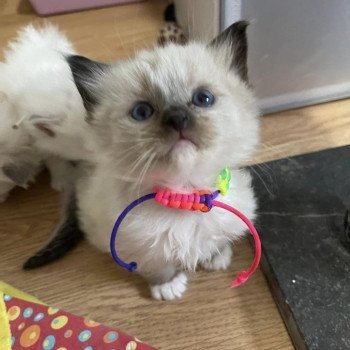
[{"x": 174, "y": 112}]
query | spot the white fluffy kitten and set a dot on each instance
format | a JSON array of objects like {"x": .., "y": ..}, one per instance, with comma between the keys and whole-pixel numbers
[
  {"x": 173, "y": 117},
  {"x": 38, "y": 98}
]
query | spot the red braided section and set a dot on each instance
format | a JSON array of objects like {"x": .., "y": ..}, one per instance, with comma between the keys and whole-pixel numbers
[{"x": 182, "y": 201}]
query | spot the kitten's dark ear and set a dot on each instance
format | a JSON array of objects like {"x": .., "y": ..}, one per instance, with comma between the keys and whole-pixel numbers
[
  {"x": 234, "y": 38},
  {"x": 85, "y": 73}
]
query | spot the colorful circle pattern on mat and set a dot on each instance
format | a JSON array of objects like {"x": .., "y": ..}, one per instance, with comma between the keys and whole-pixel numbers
[
  {"x": 38, "y": 317},
  {"x": 13, "y": 313},
  {"x": 7, "y": 297},
  {"x": 131, "y": 346},
  {"x": 110, "y": 337},
  {"x": 28, "y": 311},
  {"x": 68, "y": 333},
  {"x": 30, "y": 336},
  {"x": 84, "y": 336},
  {"x": 38, "y": 327},
  {"x": 59, "y": 322},
  {"x": 49, "y": 342},
  {"x": 52, "y": 310},
  {"x": 90, "y": 323}
]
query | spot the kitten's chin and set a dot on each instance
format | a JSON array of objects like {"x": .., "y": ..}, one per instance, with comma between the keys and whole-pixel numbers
[{"x": 183, "y": 152}]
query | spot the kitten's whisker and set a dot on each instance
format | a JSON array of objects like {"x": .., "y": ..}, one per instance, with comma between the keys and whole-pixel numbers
[
  {"x": 276, "y": 149},
  {"x": 125, "y": 156},
  {"x": 144, "y": 140},
  {"x": 146, "y": 167},
  {"x": 266, "y": 171},
  {"x": 129, "y": 151},
  {"x": 140, "y": 159},
  {"x": 264, "y": 166},
  {"x": 262, "y": 180}
]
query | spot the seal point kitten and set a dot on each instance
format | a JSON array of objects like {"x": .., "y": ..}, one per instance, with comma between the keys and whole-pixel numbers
[{"x": 172, "y": 117}]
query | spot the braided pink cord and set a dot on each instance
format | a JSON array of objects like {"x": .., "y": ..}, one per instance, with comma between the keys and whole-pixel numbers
[
  {"x": 197, "y": 200},
  {"x": 244, "y": 275}
]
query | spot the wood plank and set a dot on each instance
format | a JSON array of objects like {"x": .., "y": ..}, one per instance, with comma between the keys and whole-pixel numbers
[{"x": 304, "y": 130}]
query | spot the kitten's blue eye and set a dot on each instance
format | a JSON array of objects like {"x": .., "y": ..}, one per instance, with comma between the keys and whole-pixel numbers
[
  {"x": 142, "y": 111},
  {"x": 203, "y": 98}
]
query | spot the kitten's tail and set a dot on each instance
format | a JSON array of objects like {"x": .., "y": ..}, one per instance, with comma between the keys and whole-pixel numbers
[
  {"x": 65, "y": 238},
  {"x": 172, "y": 32}
]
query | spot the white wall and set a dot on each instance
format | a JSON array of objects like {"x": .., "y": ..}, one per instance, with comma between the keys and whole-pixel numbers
[{"x": 299, "y": 49}]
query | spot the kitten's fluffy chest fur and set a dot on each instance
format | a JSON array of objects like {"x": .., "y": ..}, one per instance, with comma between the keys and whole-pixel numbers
[{"x": 153, "y": 232}]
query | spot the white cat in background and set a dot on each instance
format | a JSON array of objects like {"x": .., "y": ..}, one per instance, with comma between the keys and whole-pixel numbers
[{"x": 42, "y": 116}]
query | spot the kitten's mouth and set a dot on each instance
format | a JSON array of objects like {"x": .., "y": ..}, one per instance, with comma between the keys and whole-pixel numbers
[
  {"x": 183, "y": 143},
  {"x": 185, "y": 137}
]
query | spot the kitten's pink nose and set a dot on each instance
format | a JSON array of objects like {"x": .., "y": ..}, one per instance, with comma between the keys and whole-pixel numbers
[{"x": 177, "y": 118}]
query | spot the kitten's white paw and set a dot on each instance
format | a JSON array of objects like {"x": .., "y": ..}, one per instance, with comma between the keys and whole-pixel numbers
[
  {"x": 219, "y": 261},
  {"x": 170, "y": 290}
]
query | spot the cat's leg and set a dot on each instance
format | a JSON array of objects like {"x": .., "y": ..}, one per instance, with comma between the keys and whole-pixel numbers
[
  {"x": 5, "y": 188},
  {"x": 220, "y": 260},
  {"x": 60, "y": 172},
  {"x": 166, "y": 282},
  {"x": 4, "y": 196}
]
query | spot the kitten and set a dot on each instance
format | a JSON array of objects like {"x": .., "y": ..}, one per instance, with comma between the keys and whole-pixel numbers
[
  {"x": 42, "y": 122},
  {"x": 173, "y": 117},
  {"x": 171, "y": 32},
  {"x": 42, "y": 112}
]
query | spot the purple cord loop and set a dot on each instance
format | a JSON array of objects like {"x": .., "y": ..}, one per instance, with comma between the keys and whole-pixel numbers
[
  {"x": 207, "y": 199},
  {"x": 132, "y": 266}
]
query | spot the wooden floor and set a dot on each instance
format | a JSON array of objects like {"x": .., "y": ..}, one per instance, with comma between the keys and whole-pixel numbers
[{"x": 86, "y": 282}]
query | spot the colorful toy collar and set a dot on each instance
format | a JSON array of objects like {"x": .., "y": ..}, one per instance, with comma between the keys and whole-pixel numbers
[{"x": 198, "y": 200}]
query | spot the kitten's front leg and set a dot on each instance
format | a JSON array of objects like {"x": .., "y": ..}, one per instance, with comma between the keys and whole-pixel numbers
[
  {"x": 61, "y": 172},
  {"x": 5, "y": 188},
  {"x": 220, "y": 260},
  {"x": 166, "y": 282},
  {"x": 3, "y": 196}
]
